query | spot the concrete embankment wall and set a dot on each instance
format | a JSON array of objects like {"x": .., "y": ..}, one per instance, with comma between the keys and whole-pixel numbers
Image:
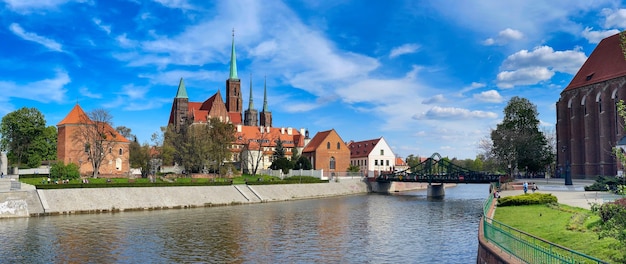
[{"x": 93, "y": 200}]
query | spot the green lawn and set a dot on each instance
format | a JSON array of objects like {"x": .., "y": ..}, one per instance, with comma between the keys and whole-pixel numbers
[{"x": 570, "y": 227}]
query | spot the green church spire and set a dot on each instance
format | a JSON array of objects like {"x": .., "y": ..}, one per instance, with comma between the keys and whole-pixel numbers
[
  {"x": 233, "y": 60},
  {"x": 182, "y": 92},
  {"x": 250, "y": 104},
  {"x": 265, "y": 95}
]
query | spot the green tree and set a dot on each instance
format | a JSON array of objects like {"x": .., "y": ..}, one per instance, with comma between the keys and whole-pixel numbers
[
  {"x": 139, "y": 157},
  {"x": 412, "y": 160},
  {"x": 279, "y": 150},
  {"x": 59, "y": 170},
  {"x": 353, "y": 168},
  {"x": 283, "y": 164},
  {"x": 26, "y": 138},
  {"x": 303, "y": 163},
  {"x": 517, "y": 141}
]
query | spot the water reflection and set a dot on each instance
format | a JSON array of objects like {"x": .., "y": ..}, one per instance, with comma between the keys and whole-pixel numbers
[{"x": 402, "y": 227}]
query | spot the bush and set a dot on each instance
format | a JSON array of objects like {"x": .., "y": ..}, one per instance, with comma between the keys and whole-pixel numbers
[
  {"x": 59, "y": 170},
  {"x": 527, "y": 199}
]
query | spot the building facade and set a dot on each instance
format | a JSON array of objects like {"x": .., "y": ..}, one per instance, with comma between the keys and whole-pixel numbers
[
  {"x": 328, "y": 152},
  {"x": 255, "y": 137},
  {"x": 372, "y": 156},
  {"x": 72, "y": 146},
  {"x": 588, "y": 124}
]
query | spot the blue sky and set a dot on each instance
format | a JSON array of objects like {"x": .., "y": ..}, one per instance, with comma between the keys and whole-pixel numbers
[{"x": 429, "y": 76}]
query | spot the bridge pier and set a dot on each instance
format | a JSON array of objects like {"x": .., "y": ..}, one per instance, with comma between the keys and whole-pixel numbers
[{"x": 435, "y": 190}]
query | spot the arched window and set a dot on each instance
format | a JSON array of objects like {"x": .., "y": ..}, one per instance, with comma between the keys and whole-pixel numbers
[
  {"x": 328, "y": 145},
  {"x": 121, "y": 151},
  {"x": 338, "y": 145},
  {"x": 332, "y": 163}
]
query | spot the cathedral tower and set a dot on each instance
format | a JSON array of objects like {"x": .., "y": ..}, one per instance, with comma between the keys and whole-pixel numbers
[
  {"x": 180, "y": 107},
  {"x": 266, "y": 116},
  {"x": 251, "y": 113},
  {"x": 233, "y": 84}
]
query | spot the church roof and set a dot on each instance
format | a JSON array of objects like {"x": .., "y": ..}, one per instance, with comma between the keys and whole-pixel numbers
[
  {"x": 317, "y": 140},
  {"x": 76, "y": 116},
  {"x": 233, "y": 60},
  {"x": 605, "y": 62},
  {"x": 182, "y": 92},
  {"x": 363, "y": 148}
]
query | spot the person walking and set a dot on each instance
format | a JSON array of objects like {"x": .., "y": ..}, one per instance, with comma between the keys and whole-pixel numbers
[{"x": 525, "y": 187}]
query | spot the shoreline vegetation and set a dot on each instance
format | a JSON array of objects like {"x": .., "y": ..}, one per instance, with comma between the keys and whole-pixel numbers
[
  {"x": 47, "y": 183},
  {"x": 571, "y": 227}
]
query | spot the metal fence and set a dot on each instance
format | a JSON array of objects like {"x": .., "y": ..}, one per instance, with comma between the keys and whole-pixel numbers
[{"x": 527, "y": 247}]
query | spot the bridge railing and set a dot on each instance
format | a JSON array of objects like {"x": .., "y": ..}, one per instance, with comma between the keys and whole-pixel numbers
[{"x": 529, "y": 248}]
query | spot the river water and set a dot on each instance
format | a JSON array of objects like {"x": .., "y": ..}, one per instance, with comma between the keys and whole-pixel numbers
[{"x": 373, "y": 228}]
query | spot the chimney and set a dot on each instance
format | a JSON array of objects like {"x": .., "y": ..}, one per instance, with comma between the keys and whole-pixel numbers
[
  {"x": 239, "y": 128},
  {"x": 282, "y": 130},
  {"x": 289, "y": 131}
]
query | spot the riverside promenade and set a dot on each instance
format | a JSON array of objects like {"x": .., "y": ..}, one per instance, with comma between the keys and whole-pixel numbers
[
  {"x": 572, "y": 195},
  {"x": 28, "y": 201}
]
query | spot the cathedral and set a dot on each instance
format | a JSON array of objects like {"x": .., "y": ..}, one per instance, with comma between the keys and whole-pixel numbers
[
  {"x": 254, "y": 134},
  {"x": 588, "y": 124}
]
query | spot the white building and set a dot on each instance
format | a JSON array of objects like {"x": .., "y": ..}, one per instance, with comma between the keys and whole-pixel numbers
[{"x": 372, "y": 156}]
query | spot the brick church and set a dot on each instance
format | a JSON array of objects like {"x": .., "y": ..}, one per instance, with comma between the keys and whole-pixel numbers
[
  {"x": 255, "y": 134},
  {"x": 588, "y": 125}
]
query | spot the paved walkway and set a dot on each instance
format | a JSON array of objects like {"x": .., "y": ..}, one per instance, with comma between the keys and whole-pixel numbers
[{"x": 573, "y": 195}]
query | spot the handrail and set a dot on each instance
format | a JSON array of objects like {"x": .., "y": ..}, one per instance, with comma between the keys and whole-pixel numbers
[{"x": 529, "y": 248}]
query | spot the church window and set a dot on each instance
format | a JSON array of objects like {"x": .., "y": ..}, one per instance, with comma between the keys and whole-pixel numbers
[
  {"x": 332, "y": 163},
  {"x": 328, "y": 145},
  {"x": 599, "y": 105},
  {"x": 338, "y": 145},
  {"x": 121, "y": 151}
]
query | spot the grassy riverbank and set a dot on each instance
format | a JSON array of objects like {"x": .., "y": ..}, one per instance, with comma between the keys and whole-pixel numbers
[{"x": 571, "y": 227}]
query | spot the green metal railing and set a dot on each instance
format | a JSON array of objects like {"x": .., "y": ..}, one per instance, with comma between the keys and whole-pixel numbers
[{"x": 527, "y": 247}]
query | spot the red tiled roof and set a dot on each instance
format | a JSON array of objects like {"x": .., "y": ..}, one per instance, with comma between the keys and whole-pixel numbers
[
  {"x": 76, "y": 116},
  {"x": 254, "y": 132},
  {"x": 316, "y": 141},
  {"x": 235, "y": 118},
  {"x": 363, "y": 148},
  {"x": 400, "y": 162},
  {"x": 605, "y": 62}
]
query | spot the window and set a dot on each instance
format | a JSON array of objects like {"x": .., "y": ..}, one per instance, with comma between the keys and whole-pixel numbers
[
  {"x": 338, "y": 145},
  {"x": 599, "y": 105},
  {"x": 328, "y": 145},
  {"x": 387, "y": 162},
  {"x": 376, "y": 162},
  {"x": 110, "y": 150},
  {"x": 332, "y": 163},
  {"x": 382, "y": 152},
  {"x": 121, "y": 151},
  {"x": 87, "y": 147}
]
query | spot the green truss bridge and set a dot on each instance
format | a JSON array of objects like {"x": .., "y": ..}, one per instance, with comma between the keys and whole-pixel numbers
[{"x": 437, "y": 171}]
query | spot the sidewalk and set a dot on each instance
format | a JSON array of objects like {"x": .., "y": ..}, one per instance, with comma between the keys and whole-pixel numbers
[{"x": 572, "y": 195}]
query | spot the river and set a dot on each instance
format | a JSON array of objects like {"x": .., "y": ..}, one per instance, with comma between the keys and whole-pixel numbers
[{"x": 371, "y": 228}]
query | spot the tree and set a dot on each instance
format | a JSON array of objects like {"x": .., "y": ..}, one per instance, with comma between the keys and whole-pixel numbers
[
  {"x": 253, "y": 153},
  {"x": 97, "y": 136},
  {"x": 125, "y": 132},
  {"x": 221, "y": 137},
  {"x": 353, "y": 168},
  {"x": 413, "y": 161},
  {"x": 517, "y": 141},
  {"x": 303, "y": 163},
  {"x": 139, "y": 156},
  {"x": 26, "y": 137},
  {"x": 59, "y": 170}
]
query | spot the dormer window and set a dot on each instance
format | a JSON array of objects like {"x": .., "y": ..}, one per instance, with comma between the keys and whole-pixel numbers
[{"x": 588, "y": 78}]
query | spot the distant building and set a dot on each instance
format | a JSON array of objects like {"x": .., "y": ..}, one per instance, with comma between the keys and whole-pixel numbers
[
  {"x": 588, "y": 125},
  {"x": 328, "y": 152},
  {"x": 372, "y": 156},
  {"x": 401, "y": 165},
  {"x": 255, "y": 137},
  {"x": 71, "y": 147}
]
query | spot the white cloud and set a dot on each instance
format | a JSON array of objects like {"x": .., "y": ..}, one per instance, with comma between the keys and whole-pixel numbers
[
  {"x": 473, "y": 86},
  {"x": 404, "y": 49},
  {"x": 182, "y": 4},
  {"x": 84, "y": 91},
  {"x": 491, "y": 96},
  {"x": 595, "y": 36},
  {"x": 45, "y": 91},
  {"x": 439, "y": 98},
  {"x": 27, "y": 6},
  {"x": 48, "y": 43},
  {"x": 615, "y": 18},
  {"x": 504, "y": 37},
  {"x": 531, "y": 67},
  {"x": 454, "y": 113},
  {"x": 105, "y": 28}
]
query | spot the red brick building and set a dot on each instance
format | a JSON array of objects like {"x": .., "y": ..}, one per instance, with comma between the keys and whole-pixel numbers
[
  {"x": 328, "y": 152},
  {"x": 72, "y": 146},
  {"x": 588, "y": 126}
]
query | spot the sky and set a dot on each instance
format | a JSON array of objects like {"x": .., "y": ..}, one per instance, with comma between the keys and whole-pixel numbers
[{"x": 428, "y": 76}]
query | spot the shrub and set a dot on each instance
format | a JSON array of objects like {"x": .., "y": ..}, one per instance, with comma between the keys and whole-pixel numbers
[
  {"x": 527, "y": 199},
  {"x": 59, "y": 170}
]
